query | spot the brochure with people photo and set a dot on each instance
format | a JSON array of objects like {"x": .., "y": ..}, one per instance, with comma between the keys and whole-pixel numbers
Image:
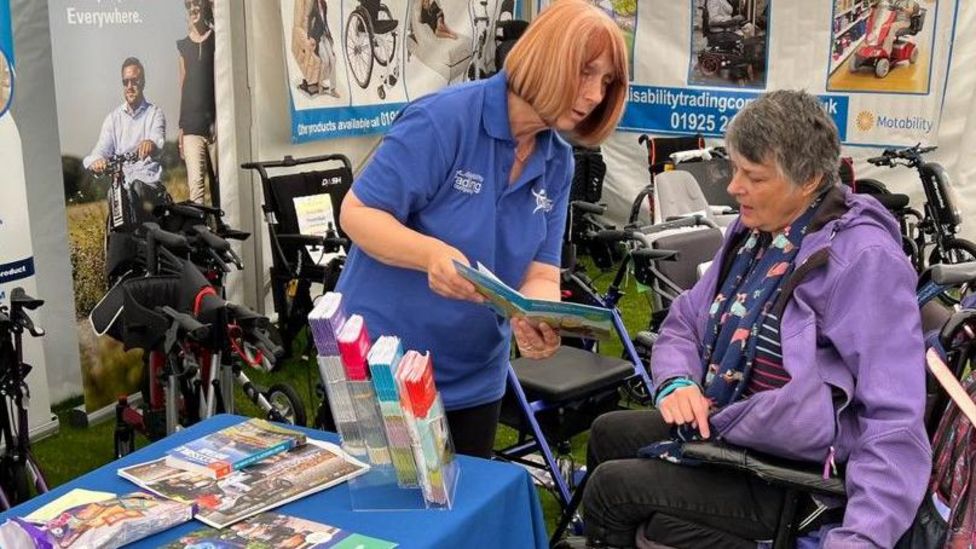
[
  {"x": 112, "y": 522},
  {"x": 265, "y": 485},
  {"x": 570, "y": 319},
  {"x": 272, "y": 530}
]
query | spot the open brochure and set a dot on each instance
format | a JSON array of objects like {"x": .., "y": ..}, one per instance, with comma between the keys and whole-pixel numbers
[
  {"x": 271, "y": 531},
  {"x": 265, "y": 485},
  {"x": 570, "y": 319}
]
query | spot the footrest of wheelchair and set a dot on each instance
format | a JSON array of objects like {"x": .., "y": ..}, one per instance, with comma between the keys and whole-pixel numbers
[
  {"x": 796, "y": 475},
  {"x": 570, "y": 373}
]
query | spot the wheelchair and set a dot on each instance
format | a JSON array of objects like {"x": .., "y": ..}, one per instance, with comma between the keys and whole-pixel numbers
[
  {"x": 725, "y": 49},
  {"x": 301, "y": 259},
  {"x": 811, "y": 497},
  {"x": 371, "y": 38}
]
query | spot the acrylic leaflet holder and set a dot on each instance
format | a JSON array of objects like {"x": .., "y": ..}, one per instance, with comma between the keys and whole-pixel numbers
[
  {"x": 437, "y": 470},
  {"x": 337, "y": 394}
]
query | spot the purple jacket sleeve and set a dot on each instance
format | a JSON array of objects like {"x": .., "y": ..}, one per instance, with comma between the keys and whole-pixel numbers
[{"x": 872, "y": 320}]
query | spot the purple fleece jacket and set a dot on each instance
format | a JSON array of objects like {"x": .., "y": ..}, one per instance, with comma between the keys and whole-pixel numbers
[{"x": 850, "y": 325}]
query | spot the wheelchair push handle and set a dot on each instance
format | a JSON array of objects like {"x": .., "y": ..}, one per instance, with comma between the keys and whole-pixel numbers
[
  {"x": 189, "y": 325},
  {"x": 289, "y": 161},
  {"x": 612, "y": 236},
  {"x": 166, "y": 238},
  {"x": 212, "y": 241},
  {"x": 588, "y": 207},
  {"x": 654, "y": 254},
  {"x": 20, "y": 302}
]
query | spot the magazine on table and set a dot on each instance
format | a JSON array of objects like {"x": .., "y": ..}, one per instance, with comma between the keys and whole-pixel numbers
[
  {"x": 569, "y": 319},
  {"x": 273, "y": 530},
  {"x": 265, "y": 485},
  {"x": 105, "y": 524},
  {"x": 232, "y": 448}
]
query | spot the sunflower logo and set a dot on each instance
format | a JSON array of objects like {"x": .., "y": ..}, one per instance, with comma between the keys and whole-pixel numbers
[{"x": 865, "y": 120}]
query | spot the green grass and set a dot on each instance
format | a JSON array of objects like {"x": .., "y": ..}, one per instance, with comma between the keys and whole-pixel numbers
[{"x": 73, "y": 452}]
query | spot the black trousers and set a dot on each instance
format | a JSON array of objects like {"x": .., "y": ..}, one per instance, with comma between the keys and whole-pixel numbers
[
  {"x": 473, "y": 429},
  {"x": 675, "y": 505}
]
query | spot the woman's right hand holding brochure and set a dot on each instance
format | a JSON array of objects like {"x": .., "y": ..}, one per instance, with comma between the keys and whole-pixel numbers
[{"x": 443, "y": 277}]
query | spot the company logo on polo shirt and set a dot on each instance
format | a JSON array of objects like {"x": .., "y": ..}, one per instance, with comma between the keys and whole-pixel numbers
[
  {"x": 468, "y": 182},
  {"x": 542, "y": 202}
]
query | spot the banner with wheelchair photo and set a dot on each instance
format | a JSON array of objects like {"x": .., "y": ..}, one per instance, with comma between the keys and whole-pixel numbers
[
  {"x": 353, "y": 64},
  {"x": 136, "y": 120},
  {"x": 880, "y": 66}
]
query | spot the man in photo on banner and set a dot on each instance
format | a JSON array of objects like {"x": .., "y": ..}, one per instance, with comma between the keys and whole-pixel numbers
[{"x": 136, "y": 125}]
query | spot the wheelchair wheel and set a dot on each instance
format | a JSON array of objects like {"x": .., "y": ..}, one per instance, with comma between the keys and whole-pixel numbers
[
  {"x": 709, "y": 63},
  {"x": 359, "y": 47},
  {"x": 385, "y": 44},
  {"x": 286, "y": 405}
]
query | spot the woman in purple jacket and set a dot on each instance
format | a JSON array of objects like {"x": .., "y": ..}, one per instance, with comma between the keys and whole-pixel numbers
[{"x": 802, "y": 340}]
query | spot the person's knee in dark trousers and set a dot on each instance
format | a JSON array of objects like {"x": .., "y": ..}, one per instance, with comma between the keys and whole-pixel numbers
[{"x": 605, "y": 519}]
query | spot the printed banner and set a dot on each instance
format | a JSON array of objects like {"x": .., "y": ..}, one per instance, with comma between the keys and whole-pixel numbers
[
  {"x": 135, "y": 97},
  {"x": 879, "y": 66},
  {"x": 353, "y": 64},
  {"x": 16, "y": 248}
]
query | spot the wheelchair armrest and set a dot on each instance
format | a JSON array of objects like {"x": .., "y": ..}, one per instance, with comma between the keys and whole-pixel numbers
[
  {"x": 302, "y": 239},
  {"x": 654, "y": 254},
  {"x": 233, "y": 234},
  {"x": 805, "y": 477}
]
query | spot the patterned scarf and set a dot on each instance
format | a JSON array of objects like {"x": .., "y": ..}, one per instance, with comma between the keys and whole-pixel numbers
[{"x": 750, "y": 289}]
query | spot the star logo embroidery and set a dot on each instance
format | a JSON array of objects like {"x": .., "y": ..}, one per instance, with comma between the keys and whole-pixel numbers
[{"x": 542, "y": 202}]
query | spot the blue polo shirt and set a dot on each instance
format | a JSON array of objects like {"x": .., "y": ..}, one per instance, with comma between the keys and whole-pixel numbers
[{"x": 443, "y": 170}]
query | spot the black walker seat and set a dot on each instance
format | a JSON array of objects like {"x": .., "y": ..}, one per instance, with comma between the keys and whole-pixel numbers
[
  {"x": 293, "y": 267},
  {"x": 570, "y": 374}
]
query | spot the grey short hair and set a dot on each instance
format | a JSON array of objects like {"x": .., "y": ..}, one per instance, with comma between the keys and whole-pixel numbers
[{"x": 793, "y": 128}]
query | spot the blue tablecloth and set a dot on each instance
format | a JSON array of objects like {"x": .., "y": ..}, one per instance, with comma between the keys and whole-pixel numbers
[{"x": 495, "y": 504}]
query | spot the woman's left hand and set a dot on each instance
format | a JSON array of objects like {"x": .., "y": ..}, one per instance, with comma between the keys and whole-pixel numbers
[{"x": 536, "y": 342}]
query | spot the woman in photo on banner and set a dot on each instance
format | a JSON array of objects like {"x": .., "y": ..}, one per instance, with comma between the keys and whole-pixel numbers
[
  {"x": 478, "y": 173},
  {"x": 198, "y": 110},
  {"x": 320, "y": 35}
]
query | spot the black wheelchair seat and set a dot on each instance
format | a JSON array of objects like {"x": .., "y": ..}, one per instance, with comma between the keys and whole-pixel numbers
[
  {"x": 724, "y": 40},
  {"x": 384, "y": 26}
]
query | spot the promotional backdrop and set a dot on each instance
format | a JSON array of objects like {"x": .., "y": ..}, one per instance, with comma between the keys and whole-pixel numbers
[
  {"x": 350, "y": 71},
  {"x": 16, "y": 250},
  {"x": 90, "y": 42},
  {"x": 697, "y": 62}
]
